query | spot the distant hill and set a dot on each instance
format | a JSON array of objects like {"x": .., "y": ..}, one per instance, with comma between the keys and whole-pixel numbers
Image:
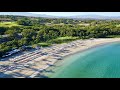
[
  {"x": 17, "y": 13},
  {"x": 67, "y": 17},
  {"x": 99, "y": 17},
  {"x": 27, "y": 14}
]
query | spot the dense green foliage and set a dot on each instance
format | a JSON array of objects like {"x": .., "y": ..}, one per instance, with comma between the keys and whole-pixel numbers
[{"x": 43, "y": 32}]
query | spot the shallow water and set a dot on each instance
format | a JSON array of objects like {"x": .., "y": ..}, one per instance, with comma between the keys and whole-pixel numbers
[{"x": 98, "y": 62}]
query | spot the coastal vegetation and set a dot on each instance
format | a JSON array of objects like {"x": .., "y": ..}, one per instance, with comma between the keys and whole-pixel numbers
[{"x": 16, "y": 31}]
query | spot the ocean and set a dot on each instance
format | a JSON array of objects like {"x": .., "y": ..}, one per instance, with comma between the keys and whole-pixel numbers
[{"x": 98, "y": 62}]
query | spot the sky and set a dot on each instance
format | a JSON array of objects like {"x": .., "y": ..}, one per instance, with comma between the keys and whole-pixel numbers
[{"x": 79, "y": 13}]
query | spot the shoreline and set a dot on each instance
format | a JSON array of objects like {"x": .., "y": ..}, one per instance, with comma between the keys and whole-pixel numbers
[
  {"x": 98, "y": 45},
  {"x": 80, "y": 51}
]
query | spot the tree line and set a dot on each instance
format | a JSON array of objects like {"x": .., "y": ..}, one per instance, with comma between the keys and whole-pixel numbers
[{"x": 35, "y": 30}]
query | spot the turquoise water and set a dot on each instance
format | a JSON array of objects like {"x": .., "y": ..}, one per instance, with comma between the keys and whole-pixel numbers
[{"x": 99, "y": 62}]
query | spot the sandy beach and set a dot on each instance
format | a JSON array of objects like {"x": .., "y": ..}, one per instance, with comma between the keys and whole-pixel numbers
[{"x": 31, "y": 64}]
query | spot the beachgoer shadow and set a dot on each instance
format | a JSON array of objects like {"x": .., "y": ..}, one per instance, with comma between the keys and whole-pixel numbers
[
  {"x": 49, "y": 71},
  {"x": 18, "y": 75},
  {"x": 44, "y": 60},
  {"x": 34, "y": 69},
  {"x": 50, "y": 65}
]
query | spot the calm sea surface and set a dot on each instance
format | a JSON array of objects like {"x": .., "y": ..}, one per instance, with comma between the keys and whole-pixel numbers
[{"x": 99, "y": 62}]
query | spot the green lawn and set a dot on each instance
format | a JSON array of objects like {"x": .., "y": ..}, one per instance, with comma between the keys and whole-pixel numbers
[
  {"x": 59, "y": 40},
  {"x": 8, "y": 24},
  {"x": 42, "y": 44},
  {"x": 67, "y": 38},
  {"x": 118, "y": 25},
  {"x": 63, "y": 39}
]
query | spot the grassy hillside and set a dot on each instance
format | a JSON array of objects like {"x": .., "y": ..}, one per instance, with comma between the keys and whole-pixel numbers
[{"x": 8, "y": 24}]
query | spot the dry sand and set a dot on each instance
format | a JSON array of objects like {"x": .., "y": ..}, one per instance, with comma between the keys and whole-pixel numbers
[{"x": 44, "y": 62}]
